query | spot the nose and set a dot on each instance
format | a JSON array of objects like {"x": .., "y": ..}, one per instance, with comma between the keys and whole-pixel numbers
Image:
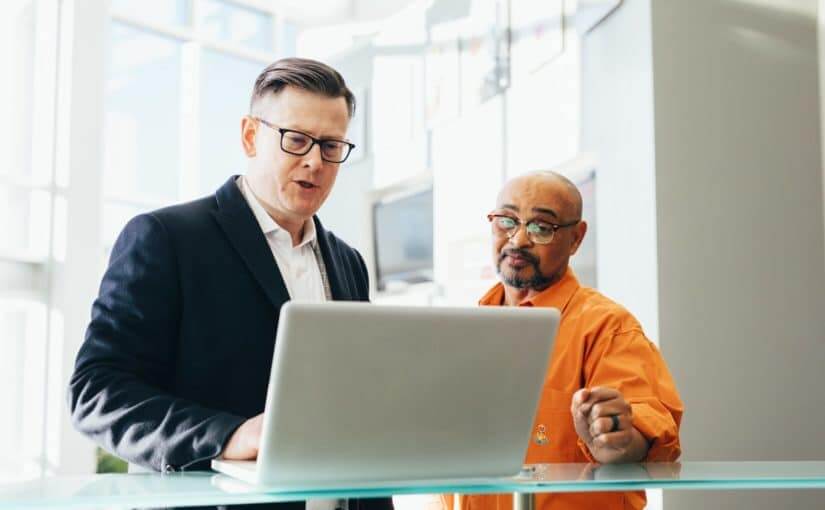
[
  {"x": 312, "y": 159},
  {"x": 520, "y": 237}
]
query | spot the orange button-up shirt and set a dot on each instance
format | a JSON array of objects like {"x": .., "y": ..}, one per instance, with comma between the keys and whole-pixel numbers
[{"x": 599, "y": 343}]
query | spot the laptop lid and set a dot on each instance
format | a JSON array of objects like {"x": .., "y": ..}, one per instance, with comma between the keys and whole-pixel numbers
[{"x": 361, "y": 392}]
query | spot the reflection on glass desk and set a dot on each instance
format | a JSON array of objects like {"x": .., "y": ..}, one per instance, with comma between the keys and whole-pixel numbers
[{"x": 208, "y": 488}]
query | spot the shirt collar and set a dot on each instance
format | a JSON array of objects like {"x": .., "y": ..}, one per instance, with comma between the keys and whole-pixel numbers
[
  {"x": 554, "y": 296},
  {"x": 266, "y": 222}
]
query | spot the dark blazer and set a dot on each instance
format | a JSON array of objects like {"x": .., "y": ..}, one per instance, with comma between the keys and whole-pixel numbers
[{"x": 179, "y": 348}]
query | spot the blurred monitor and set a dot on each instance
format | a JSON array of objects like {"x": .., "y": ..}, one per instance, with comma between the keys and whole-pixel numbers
[{"x": 403, "y": 239}]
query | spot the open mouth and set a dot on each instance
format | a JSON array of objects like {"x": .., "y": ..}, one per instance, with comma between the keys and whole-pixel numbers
[{"x": 306, "y": 184}]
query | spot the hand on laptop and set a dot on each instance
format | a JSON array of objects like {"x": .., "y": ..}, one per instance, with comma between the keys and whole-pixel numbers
[
  {"x": 604, "y": 421},
  {"x": 243, "y": 444}
]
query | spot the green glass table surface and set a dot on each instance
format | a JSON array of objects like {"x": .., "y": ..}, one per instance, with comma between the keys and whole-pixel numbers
[{"x": 209, "y": 488}]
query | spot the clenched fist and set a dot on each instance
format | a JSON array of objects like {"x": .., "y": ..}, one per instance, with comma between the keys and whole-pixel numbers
[{"x": 604, "y": 421}]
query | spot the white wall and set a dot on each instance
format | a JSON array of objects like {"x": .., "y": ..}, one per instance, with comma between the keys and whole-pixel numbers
[
  {"x": 711, "y": 218},
  {"x": 617, "y": 132},
  {"x": 821, "y": 61},
  {"x": 740, "y": 233}
]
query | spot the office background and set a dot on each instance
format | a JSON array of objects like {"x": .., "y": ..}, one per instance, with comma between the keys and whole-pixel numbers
[{"x": 694, "y": 126}]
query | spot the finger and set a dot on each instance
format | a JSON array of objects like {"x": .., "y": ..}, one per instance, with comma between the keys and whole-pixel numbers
[
  {"x": 579, "y": 398},
  {"x": 609, "y": 408},
  {"x": 605, "y": 425},
  {"x": 583, "y": 431},
  {"x": 580, "y": 422},
  {"x": 580, "y": 419},
  {"x": 587, "y": 400},
  {"x": 613, "y": 440},
  {"x": 601, "y": 393}
]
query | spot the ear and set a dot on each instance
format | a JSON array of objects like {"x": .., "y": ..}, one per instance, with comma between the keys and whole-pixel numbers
[
  {"x": 249, "y": 128},
  {"x": 579, "y": 232}
]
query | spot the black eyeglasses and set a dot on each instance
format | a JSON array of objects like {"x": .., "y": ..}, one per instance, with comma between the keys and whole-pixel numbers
[
  {"x": 539, "y": 232},
  {"x": 298, "y": 144}
]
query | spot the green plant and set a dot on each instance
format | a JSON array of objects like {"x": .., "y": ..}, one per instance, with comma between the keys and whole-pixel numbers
[{"x": 108, "y": 463}]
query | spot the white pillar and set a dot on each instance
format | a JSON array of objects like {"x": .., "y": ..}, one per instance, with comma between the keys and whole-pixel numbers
[{"x": 80, "y": 167}]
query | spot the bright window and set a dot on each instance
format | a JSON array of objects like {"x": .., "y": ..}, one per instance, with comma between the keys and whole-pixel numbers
[
  {"x": 225, "y": 88},
  {"x": 231, "y": 23},
  {"x": 178, "y": 81},
  {"x": 143, "y": 97}
]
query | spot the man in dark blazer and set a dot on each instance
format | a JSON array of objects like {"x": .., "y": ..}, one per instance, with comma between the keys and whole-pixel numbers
[{"x": 174, "y": 368}]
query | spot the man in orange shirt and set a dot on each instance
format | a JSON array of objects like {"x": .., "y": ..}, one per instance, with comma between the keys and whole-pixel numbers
[{"x": 608, "y": 396}]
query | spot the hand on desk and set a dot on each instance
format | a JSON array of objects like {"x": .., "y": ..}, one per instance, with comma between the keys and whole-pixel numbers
[
  {"x": 604, "y": 421},
  {"x": 243, "y": 444}
]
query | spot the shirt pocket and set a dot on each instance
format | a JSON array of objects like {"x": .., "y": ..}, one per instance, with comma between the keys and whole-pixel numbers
[{"x": 553, "y": 438}]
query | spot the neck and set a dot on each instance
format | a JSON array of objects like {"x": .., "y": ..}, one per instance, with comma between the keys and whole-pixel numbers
[
  {"x": 296, "y": 234},
  {"x": 295, "y": 226},
  {"x": 515, "y": 297}
]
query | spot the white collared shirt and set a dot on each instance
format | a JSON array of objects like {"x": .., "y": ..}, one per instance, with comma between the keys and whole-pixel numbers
[{"x": 297, "y": 264}]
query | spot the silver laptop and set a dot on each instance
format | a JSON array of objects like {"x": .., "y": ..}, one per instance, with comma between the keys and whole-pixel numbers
[{"x": 368, "y": 395}]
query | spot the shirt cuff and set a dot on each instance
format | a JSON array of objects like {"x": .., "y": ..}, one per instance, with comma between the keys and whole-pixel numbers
[
  {"x": 210, "y": 445},
  {"x": 660, "y": 431}
]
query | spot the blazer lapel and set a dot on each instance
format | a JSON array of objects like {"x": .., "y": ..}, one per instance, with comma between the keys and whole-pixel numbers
[
  {"x": 340, "y": 291},
  {"x": 237, "y": 221}
]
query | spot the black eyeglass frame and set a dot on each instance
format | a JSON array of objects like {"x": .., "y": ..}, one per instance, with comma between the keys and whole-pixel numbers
[{"x": 315, "y": 141}]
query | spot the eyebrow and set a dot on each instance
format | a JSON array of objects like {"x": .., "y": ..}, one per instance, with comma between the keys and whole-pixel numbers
[
  {"x": 540, "y": 210},
  {"x": 544, "y": 210}
]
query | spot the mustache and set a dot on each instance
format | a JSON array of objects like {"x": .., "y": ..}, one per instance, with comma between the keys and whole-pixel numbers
[{"x": 526, "y": 255}]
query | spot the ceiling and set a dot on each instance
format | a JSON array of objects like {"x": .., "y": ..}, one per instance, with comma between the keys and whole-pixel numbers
[{"x": 319, "y": 13}]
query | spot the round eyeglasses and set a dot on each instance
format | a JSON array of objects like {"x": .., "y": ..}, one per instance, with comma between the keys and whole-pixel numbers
[
  {"x": 538, "y": 231},
  {"x": 298, "y": 143}
]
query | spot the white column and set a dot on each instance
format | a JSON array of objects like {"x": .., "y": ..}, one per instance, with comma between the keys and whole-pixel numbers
[{"x": 80, "y": 167}]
